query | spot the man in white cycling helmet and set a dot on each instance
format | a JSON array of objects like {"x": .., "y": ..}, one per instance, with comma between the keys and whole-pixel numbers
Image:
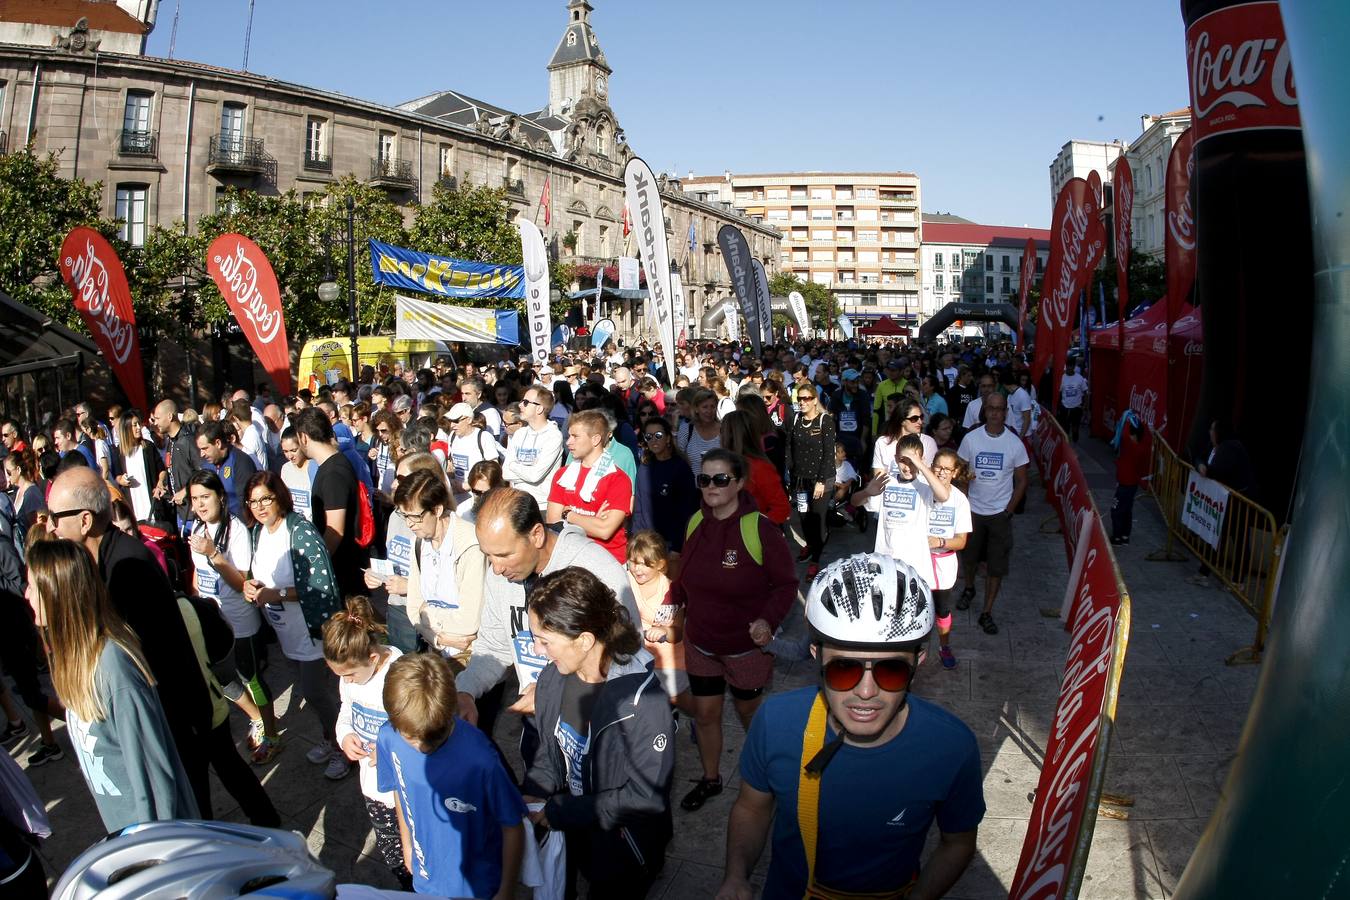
[{"x": 850, "y": 774}]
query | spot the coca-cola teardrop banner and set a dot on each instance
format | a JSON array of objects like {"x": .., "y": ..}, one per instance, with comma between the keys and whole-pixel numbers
[
  {"x": 90, "y": 268},
  {"x": 1238, "y": 60},
  {"x": 1072, "y": 232},
  {"x": 1122, "y": 211},
  {"x": 1179, "y": 238},
  {"x": 1024, "y": 288},
  {"x": 1093, "y": 251},
  {"x": 1094, "y": 181},
  {"x": 246, "y": 280}
]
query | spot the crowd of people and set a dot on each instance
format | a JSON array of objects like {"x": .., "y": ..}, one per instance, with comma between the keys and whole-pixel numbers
[{"x": 603, "y": 546}]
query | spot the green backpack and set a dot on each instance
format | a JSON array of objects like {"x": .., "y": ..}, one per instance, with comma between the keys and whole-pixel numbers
[{"x": 749, "y": 533}]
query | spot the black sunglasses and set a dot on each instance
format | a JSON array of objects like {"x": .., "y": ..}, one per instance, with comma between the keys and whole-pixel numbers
[
  {"x": 721, "y": 479},
  {"x": 65, "y": 513}
]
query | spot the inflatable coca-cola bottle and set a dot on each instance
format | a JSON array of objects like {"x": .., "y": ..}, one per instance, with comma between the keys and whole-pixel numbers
[{"x": 1254, "y": 280}]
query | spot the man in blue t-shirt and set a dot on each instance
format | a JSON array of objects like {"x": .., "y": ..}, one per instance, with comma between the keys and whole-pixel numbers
[
  {"x": 232, "y": 465},
  {"x": 846, "y": 778},
  {"x": 459, "y": 814}
]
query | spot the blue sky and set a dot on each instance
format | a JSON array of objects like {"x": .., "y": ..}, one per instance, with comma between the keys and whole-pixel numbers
[{"x": 976, "y": 97}]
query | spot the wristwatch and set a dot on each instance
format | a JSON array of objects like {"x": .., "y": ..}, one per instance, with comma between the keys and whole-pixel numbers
[{"x": 284, "y": 593}]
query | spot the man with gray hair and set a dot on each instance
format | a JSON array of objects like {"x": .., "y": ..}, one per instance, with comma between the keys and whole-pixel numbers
[
  {"x": 80, "y": 510},
  {"x": 473, "y": 391}
]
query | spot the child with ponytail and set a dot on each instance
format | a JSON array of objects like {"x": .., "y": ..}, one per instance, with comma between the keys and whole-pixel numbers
[{"x": 353, "y": 649}]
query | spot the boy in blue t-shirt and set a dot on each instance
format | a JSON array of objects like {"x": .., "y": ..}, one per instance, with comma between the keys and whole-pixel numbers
[{"x": 459, "y": 815}]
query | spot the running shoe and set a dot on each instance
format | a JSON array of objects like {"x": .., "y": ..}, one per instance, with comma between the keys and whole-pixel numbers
[
  {"x": 320, "y": 753},
  {"x": 339, "y": 767},
  {"x": 1123, "y": 539},
  {"x": 948, "y": 657},
  {"x": 45, "y": 754},
  {"x": 266, "y": 750},
  {"x": 986, "y": 622},
  {"x": 705, "y": 789},
  {"x": 256, "y": 732},
  {"x": 13, "y": 731},
  {"x": 963, "y": 602}
]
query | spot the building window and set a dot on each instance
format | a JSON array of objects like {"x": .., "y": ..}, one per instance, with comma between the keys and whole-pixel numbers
[
  {"x": 447, "y": 161},
  {"x": 387, "y": 147},
  {"x": 232, "y": 127},
  {"x": 937, "y": 260},
  {"x": 820, "y": 193},
  {"x": 989, "y": 284},
  {"x": 578, "y": 228},
  {"x": 1006, "y": 286},
  {"x": 131, "y": 210},
  {"x": 989, "y": 262},
  {"x": 956, "y": 283},
  {"x": 777, "y": 193},
  {"x": 604, "y": 240},
  {"x": 316, "y": 140},
  {"x": 136, "y": 117},
  {"x": 1040, "y": 264},
  {"x": 1007, "y": 265},
  {"x": 937, "y": 281},
  {"x": 601, "y": 142},
  {"x": 867, "y": 193}
]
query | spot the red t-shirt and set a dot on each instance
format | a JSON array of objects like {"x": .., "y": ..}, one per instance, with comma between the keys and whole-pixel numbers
[{"x": 615, "y": 491}]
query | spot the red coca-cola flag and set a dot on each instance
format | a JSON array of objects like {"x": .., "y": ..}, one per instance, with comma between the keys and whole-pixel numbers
[
  {"x": 1071, "y": 233},
  {"x": 1094, "y": 181},
  {"x": 90, "y": 268},
  {"x": 1241, "y": 79},
  {"x": 1122, "y": 211},
  {"x": 249, "y": 286},
  {"x": 1024, "y": 288},
  {"x": 1094, "y": 249},
  {"x": 1179, "y": 246}
]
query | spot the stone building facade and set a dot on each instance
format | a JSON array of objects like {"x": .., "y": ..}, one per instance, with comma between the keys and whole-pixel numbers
[{"x": 167, "y": 137}]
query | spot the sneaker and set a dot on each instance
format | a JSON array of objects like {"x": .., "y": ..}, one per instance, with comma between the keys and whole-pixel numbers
[
  {"x": 948, "y": 657},
  {"x": 963, "y": 602},
  {"x": 319, "y": 754},
  {"x": 986, "y": 621},
  {"x": 1117, "y": 541},
  {"x": 703, "y": 790},
  {"x": 44, "y": 754},
  {"x": 266, "y": 750},
  {"x": 339, "y": 767},
  {"x": 13, "y": 731},
  {"x": 256, "y": 732},
  {"x": 812, "y": 571}
]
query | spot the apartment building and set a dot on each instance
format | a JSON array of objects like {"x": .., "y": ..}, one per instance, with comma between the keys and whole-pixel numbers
[
  {"x": 964, "y": 261},
  {"x": 857, "y": 233},
  {"x": 1148, "y": 155}
]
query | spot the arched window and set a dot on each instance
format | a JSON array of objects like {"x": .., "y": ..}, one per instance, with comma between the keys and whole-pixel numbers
[{"x": 601, "y": 141}]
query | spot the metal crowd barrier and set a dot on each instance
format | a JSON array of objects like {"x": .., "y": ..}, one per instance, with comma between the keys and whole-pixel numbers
[{"x": 1247, "y": 557}]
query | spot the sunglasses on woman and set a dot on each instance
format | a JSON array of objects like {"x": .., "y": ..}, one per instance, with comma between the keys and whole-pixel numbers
[
  {"x": 721, "y": 479},
  {"x": 843, "y": 673}
]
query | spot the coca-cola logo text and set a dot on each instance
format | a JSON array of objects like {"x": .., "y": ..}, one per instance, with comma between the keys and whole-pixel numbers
[
  {"x": 1145, "y": 403},
  {"x": 1124, "y": 200},
  {"x": 1180, "y": 218},
  {"x": 89, "y": 276},
  {"x": 1072, "y": 240},
  {"x": 1240, "y": 71},
  {"x": 239, "y": 275}
]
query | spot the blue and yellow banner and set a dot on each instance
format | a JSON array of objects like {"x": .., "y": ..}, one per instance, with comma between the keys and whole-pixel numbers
[{"x": 444, "y": 276}]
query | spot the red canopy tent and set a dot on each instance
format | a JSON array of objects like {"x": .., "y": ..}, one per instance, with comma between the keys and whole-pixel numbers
[
  {"x": 1162, "y": 387},
  {"x": 883, "y": 327}
]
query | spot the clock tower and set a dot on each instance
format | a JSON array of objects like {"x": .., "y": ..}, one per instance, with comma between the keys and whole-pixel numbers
[{"x": 578, "y": 68}]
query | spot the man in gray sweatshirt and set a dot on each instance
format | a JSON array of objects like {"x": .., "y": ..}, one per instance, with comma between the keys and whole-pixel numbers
[{"x": 519, "y": 548}]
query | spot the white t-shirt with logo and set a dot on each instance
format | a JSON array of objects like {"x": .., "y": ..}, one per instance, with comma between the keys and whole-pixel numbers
[
  {"x": 902, "y": 527},
  {"x": 947, "y": 520},
  {"x": 1071, "y": 390},
  {"x": 298, "y": 482},
  {"x": 272, "y": 566},
  {"x": 993, "y": 460},
  {"x": 1019, "y": 401},
  {"x": 883, "y": 460},
  {"x": 243, "y": 616},
  {"x": 467, "y": 452}
]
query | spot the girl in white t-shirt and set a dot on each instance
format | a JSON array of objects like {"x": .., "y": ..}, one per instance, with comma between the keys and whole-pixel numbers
[
  {"x": 948, "y": 527},
  {"x": 905, "y": 500},
  {"x": 353, "y": 649},
  {"x": 221, "y": 556}
]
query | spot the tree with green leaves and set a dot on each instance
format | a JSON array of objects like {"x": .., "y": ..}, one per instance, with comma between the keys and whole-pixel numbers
[
  {"x": 821, "y": 304},
  {"x": 40, "y": 208}
]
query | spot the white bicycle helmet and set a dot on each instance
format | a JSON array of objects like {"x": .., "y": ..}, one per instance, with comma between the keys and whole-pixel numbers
[
  {"x": 870, "y": 601},
  {"x": 192, "y": 860}
]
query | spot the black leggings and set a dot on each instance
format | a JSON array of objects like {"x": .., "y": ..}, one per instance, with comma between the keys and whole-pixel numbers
[
  {"x": 238, "y": 779},
  {"x": 814, "y": 523},
  {"x": 20, "y": 651}
]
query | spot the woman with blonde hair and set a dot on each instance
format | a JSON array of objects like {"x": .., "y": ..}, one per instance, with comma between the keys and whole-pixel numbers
[{"x": 116, "y": 722}]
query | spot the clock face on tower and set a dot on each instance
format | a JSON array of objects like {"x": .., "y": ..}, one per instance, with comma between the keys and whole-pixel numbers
[{"x": 600, "y": 85}]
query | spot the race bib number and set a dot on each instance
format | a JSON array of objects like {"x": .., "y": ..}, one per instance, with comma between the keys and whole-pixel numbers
[
  {"x": 803, "y": 501},
  {"x": 208, "y": 583},
  {"x": 461, "y": 464},
  {"x": 528, "y": 663},
  {"x": 848, "y": 421},
  {"x": 1071, "y": 392},
  {"x": 942, "y": 522},
  {"x": 300, "y": 497},
  {"x": 899, "y": 502},
  {"x": 989, "y": 465},
  {"x": 366, "y": 721},
  {"x": 527, "y": 456},
  {"x": 400, "y": 555}
]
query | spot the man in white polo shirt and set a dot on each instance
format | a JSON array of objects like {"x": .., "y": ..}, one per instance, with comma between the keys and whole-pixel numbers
[{"x": 999, "y": 460}]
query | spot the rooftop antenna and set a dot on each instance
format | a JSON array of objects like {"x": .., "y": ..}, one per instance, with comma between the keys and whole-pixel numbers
[
  {"x": 248, "y": 33},
  {"x": 173, "y": 33}
]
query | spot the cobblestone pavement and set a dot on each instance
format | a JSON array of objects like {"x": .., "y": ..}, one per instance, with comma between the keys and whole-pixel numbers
[{"x": 1180, "y": 715}]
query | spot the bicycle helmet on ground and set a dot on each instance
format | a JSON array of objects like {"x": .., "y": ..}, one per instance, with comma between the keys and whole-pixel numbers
[
  {"x": 194, "y": 860},
  {"x": 870, "y": 601}
]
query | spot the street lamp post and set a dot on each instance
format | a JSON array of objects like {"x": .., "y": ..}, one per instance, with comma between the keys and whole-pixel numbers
[{"x": 328, "y": 289}]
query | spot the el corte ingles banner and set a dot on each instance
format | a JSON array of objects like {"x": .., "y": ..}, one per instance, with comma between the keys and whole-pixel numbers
[
  {"x": 444, "y": 276},
  {"x": 736, "y": 254}
]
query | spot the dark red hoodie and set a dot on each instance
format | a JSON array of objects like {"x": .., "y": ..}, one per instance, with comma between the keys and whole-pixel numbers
[{"x": 723, "y": 590}]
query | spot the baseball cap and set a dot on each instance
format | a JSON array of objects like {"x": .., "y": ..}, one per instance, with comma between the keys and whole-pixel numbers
[
  {"x": 893, "y": 364},
  {"x": 460, "y": 411},
  {"x": 850, "y": 375}
]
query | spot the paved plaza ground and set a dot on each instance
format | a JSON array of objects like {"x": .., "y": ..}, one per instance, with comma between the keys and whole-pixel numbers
[{"x": 1180, "y": 715}]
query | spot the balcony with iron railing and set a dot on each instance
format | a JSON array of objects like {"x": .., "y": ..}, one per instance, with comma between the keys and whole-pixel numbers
[
  {"x": 396, "y": 174},
  {"x": 137, "y": 143},
  {"x": 315, "y": 161},
  {"x": 235, "y": 153}
]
